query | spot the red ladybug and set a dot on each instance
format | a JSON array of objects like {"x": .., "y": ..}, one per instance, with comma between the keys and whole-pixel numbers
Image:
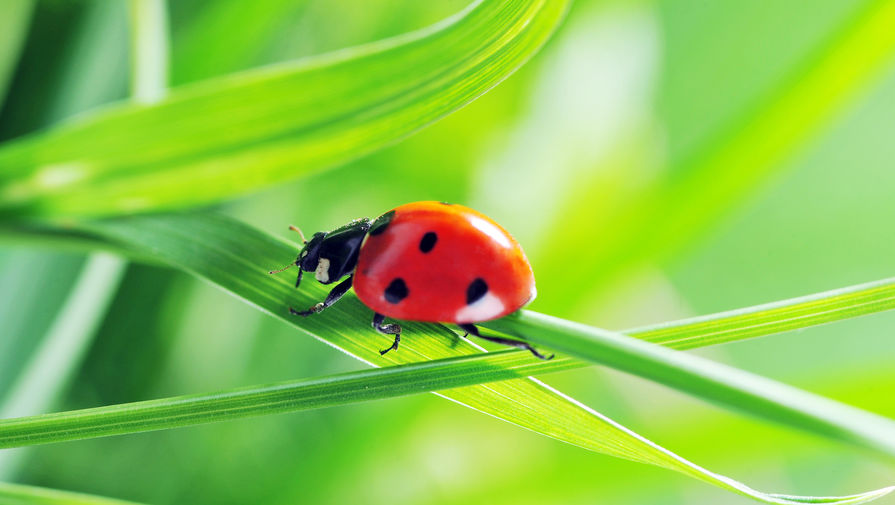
[{"x": 423, "y": 261}]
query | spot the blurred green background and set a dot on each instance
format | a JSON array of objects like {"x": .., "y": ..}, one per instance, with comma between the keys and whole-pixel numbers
[{"x": 621, "y": 97}]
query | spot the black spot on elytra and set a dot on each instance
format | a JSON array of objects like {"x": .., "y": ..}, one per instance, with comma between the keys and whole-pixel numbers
[
  {"x": 428, "y": 241},
  {"x": 396, "y": 291},
  {"x": 476, "y": 290},
  {"x": 381, "y": 223}
]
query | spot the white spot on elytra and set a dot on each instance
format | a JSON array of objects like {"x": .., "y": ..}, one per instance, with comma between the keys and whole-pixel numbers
[
  {"x": 485, "y": 308},
  {"x": 322, "y": 272},
  {"x": 491, "y": 230}
]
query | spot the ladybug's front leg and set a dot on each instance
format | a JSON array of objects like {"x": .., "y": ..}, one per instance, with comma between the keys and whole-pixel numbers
[
  {"x": 333, "y": 296},
  {"x": 388, "y": 329}
]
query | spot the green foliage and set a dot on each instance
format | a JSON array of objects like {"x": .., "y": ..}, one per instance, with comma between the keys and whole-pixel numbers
[
  {"x": 13, "y": 494},
  {"x": 593, "y": 223},
  {"x": 238, "y": 133},
  {"x": 206, "y": 247},
  {"x": 702, "y": 184},
  {"x": 237, "y": 258}
]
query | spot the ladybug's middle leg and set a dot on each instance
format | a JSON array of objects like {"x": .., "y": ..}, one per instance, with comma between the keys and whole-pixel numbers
[
  {"x": 471, "y": 329},
  {"x": 387, "y": 329},
  {"x": 333, "y": 296}
]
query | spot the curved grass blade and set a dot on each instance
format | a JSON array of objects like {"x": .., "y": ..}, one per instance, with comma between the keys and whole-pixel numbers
[
  {"x": 330, "y": 391},
  {"x": 712, "y": 329},
  {"x": 51, "y": 367},
  {"x": 236, "y": 257},
  {"x": 17, "y": 494},
  {"x": 706, "y": 379},
  {"x": 695, "y": 375},
  {"x": 232, "y": 135}
]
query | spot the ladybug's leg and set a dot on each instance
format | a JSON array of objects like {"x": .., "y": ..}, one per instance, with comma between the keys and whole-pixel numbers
[
  {"x": 470, "y": 329},
  {"x": 333, "y": 296},
  {"x": 388, "y": 329},
  {"x": 298, "y": 280}
]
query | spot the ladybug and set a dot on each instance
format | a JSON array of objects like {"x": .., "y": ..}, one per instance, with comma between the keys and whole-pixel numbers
[{"x": 422, "y": 261}]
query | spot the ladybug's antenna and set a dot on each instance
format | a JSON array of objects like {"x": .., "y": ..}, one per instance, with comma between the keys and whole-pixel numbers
[
  {"x": 302, "y": 235},
  {"x": 287, "y": 267},
  {"x": 290, "y": 265}
]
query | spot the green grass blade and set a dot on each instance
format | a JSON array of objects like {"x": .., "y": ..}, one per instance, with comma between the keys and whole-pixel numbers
[
  {"x": 60, "y": 351},
  {"x": 719, "y": 383},
  {"x": 14, "y": 18},
  {"x": 17, "y": 494},
  {"x": 53, "y": 364},
  {"x": 64, "y": 240},
  {"x": 241, "y": 32},
  {"x": 149, "y": 50},
  {"x": 337, "y": 390},
  {"x": 237, "y": 257},
  {"x": 290, "y": 396},
  {"x": 769, "y": 318},
  {"x": 235, "y": 134},
  {"x": 712, "y": 329}
]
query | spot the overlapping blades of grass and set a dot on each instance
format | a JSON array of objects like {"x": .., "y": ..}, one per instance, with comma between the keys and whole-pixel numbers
[
  {"x": 722, "y": 384},
  {"x": 235, "y": 134},
  {"x": 236, "y": 257},
  {"x": 290, "y": 396},
  {"x": 16, "y": 494}
]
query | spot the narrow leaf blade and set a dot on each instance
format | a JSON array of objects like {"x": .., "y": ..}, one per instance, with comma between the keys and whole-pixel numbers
[
  {"x": 17, "y": 494},
  {"x": 231, "y": 135},
  {"x": 237, "y": 258}
]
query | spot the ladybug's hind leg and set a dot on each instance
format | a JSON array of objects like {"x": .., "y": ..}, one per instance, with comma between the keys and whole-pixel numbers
[
  {"x": 333, "y": 296},
  {"x": 471, "y": 329},
  {"x": 387, "y": 329}
]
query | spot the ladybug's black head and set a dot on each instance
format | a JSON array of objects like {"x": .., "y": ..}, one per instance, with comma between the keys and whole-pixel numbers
[
  {"x": 310, "y": 253},
  {"x": 333, "y": 255}
]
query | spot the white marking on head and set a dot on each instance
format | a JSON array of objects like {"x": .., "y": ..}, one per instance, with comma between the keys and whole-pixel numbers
[
  {"x": 322, "y": 272},
  {"x": 485, "y": 308},
  {"x": 491, "y": 230}
]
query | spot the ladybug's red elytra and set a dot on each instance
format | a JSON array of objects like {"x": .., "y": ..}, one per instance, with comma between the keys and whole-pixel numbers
[{"x": 423, "y": 261}]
